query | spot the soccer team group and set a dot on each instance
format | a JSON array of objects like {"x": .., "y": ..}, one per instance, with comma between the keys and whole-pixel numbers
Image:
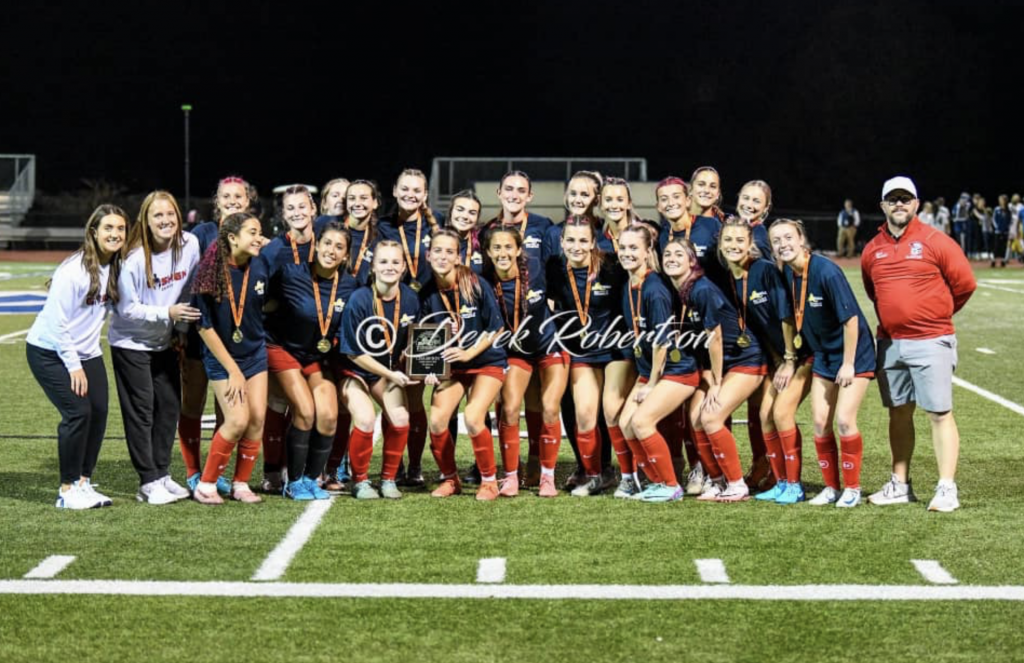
[{"x": 642, "y": 337}]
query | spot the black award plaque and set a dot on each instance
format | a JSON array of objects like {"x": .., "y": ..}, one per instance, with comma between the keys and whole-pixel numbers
[{"x": 423, "y": 355}]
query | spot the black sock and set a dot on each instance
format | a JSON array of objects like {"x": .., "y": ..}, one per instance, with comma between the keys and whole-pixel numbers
[
  {"x": 319, "y": 451},
  {"x": 297, "y": 443}
]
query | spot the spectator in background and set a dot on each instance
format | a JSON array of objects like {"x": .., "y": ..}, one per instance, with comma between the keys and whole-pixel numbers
[
  {"x": 848, "y": 221},
  {"x": 942, "y": 216},
  {"x": 1002, "y": 217},
  {"x": 961, "y": 221},
  {"x": 927, "y": 214},
  {"x": 1015, "y": 248},
  {"x": 983, "y": 228}
]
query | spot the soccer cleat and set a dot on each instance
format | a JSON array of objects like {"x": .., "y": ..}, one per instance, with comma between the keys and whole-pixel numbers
[
  {"x": 313, "y": 486},
  {"x": 660, "y": 492},
  {"x": 487, "y": 492},
  {"x": 760, "y": 470},
  {"x": 450, "y": 486},
  {"x": 272, "y": 482},
  {"x": 364, "y": 490},
  {"x": 174, "y": 488},
  {"x": 894, "y": 492},
  {"x": 337, "y": 481},
  {"x": 547, "y": 486},
  {"x": 608, "y": 480},
  {"x": 828, "y": 495},
  {"x": 389, "y": 490},
  {"x": 576, "y": 478},
  {"x": 297, "y": 490},
  {"x": 695, "y": 480},
  {"x": 206, "y": 494},
  {"x": 773, "y": 493},
  {"x": 946, "y": 498},
  {"x": 712, "y": 489},
  {"x": 510, "y": 486},
  {"x": 241, "y": 492},
  {"x": 223, "y": 486},
  {"x": 532, "y": 477},
  {"x": 794, "y": 493},
  {"x": 627, "y": 489},
  {"x": 101, "y": 499},
  {"x": 849, "y": 499},
  {"x": 192, "y": 482},
  {"x": 75, "y": 499},
  {"x": 155, "y": 493},
  {"x": 414, "y": 478},
  {"x": 734, "y": 492},
  {"x": 472, "y": 476},
  {"x": 592, "y": 486}
]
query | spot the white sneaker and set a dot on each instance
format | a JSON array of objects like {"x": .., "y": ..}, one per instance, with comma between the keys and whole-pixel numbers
[
  {"x": 695, "y": 480},
  {"x": 101, "y": 499},
  {"x": 174, "y": 488},
  {"x": 828, "y": 495},
  {"x": 894, "y": 492},
  {"x": 735, "y": 492},
  {"x": 711, "y": 489},
  {"x": 155, "y": 493},
  {"x": 849, "y": 499},
  {"x": 75, "y": 498},
  {"x": 591, "y": 487},
  {"x": 946, "y": 498}
]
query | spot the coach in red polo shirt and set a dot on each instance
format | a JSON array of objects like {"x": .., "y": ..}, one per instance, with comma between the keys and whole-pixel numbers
[{"x": 917, "y": 278}]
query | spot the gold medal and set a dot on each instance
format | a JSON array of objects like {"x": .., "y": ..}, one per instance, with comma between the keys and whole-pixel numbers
[
  {"x": 798, "y": 341},
  {"x": 237, "y": 311},
  {"x": 637, "y": 352},
  {"x": 675, "y": 356},
  {"x": 415, "y": 285},
  {"x": 583, "y": 335},
  {"x": 323, "y": 345},
  {"x": 743, "y": 341},
  {"x": 237, "y": 336}
]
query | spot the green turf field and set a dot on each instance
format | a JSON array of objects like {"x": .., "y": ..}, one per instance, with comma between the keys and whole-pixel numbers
[{"x": 426, "y": 545}]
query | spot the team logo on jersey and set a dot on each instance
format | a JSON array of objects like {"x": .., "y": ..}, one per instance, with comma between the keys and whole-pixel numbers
[
  {"x": 758, "y": 297},
  {"x": 693, "y": 316},
  {"x": 368, "y": 256},
  {"x": 260, "y": 287},
  {"x": 476, "y": 258},
  {"x": 339, "y": 305},
  {"x": 532, "y": 242},
  {"x": 534, "y": 296},
  {"x": 700, "y": 249},
  {"x": 814, "y": 300},
  {"x": 600, "y": 289},
  {"x": 467, "y": 312},
  {"x": 916, "y": 250},
  {"x": 406, "y": 320},
  {"x": 642, "y": 322},
  {"x": 426, "y": 241}
]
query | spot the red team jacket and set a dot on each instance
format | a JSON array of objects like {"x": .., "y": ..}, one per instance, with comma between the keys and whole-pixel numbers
[{"x": 917, "y": 282}]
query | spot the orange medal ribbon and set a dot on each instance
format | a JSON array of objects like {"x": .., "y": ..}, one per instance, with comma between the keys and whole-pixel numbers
[
  {"x": 362, "y": 248},
  {"x": 323, "y": 345},
  {"x": 378, "y": 305},
  {"x": 295, "y": 250},
  {"x": 500, "y": 293},
  {"x": 635, "y": 312},
  {"x": 413, "y": 263},
  {"x": 239, "y": 310},
  {"x": 455, "y": 313},
  {"x": 582, "y": 311},
  {"x": 798, "y": 307}
]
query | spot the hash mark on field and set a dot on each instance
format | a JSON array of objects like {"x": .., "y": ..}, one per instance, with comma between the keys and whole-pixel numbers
[
  {"x": 985, "y": 393},
  {"x": 711, "y": 570},
  {"x": 996, "y": 287},
  {"x": 933, "y": 572},
  {"x": 985, "y": 351},
  {"x": 13, "y": 335},
  {"x": 491, "y": 569},
  {"x": 50, "y": 567},
  {"x": 277, "y": 561}
]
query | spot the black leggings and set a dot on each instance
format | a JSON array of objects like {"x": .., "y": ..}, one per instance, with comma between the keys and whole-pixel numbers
[
  {"x": 83, "y": 420},
  {"x": 149, "y": 390}
]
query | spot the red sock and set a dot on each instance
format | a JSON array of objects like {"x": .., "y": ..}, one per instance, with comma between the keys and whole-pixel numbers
[
  {"x": 395, "y": 440},
  {"x": 707, "y": 454},
  {"x": 483, "y": 449},
  {"x": 550, "y": 440},
  {"x": 853, "y": 451},
  {"x": 534, "y": 424},
  {"x": 508, "y": 436},
  {"x": 360, "y": 450},
  {"x": 590, "y": 452},
  {"x": 758, "y": 445},
  {"x": 776, "y": 459},
  {"x": 444, "y": 453},
  {"x": 248, "y": 452},
  {"x": 190, "y": 433},
  {"x": 724, "y": 446},
  {"x": 640, "y": 461},
  {"x": 659, "y": 459},
  {"x": 274, "y": 427},
  {"x": 218, "y": 458},
  {"x": 418, "y": 438},
  {"x": 828, "y": 459},
  {"x": 340, "y": 444},
  {"x": 622, "y": 452},
  {"x": 792, "y": 454}
]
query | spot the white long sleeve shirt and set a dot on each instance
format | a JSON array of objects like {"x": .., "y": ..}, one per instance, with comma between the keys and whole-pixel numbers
[
  {"x": 142, "y": 320},
  {"x": 69, "y": 324}
]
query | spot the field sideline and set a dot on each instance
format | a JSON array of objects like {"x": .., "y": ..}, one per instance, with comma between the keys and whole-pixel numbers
[{"x": 526, "y": 579}]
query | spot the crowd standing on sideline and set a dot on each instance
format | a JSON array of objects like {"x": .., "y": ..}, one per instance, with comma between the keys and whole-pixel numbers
[{"x": 640, "y": 337}]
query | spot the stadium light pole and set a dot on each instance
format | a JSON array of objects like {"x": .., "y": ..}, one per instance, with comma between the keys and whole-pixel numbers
[{"x": 186, "y": 109}]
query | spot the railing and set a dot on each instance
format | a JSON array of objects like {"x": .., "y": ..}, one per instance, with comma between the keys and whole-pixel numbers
[{"x": 17, "y": 186}]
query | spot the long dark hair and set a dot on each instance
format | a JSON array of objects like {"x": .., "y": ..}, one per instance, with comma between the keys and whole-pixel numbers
[
  {"x": 142, "y": 234},
  {"x": 522, "y": 264},
  {"x": 465, "y": 278},
  {"x": 336, "y": 227},
  {"x": 91, "y": 255},
  {"x": 210, "y": 276}
]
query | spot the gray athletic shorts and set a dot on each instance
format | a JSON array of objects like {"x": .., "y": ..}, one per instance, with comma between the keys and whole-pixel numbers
[{"x": 917, "y": 371}]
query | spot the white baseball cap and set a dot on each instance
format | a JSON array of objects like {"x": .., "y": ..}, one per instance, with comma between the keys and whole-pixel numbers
[{"x": 899, "y": 183}]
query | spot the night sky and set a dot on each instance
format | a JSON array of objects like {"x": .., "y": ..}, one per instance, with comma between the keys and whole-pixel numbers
[{"x": 822, "y": 99}]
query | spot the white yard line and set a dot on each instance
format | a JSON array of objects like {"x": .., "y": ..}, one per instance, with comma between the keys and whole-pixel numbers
[
  {"x": 984, "y": 393},
  {"x": 491, "y": 569},
  {"x": 999, "y": 287},
  {"x": 711, "y": 570},
  {"x": 933, "y": 572},
  {"x": 50, "y": 567},
  {"x": 985, "y": 351},
  {"x": 7, "y": 337},
  {"x": 277, "y": 561},
  {"x": 536, "y": 592}
]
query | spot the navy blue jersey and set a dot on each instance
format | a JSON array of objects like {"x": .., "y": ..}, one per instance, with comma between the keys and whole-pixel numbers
[
  {"x": 217, "y": 315},
  {"x": 324, "y": 219},
  {"x": 206, "y": 232},
  {"x": 830, "y": 303},
  {"x": 606, "y": 325},
  {"x": 552, "y": 242},
  {"x": 280, "y": 252},
  {"x": 535, "y": 239},
  {"x": 767, "y": 305},
  {"x": 362, "y": 329},
  {"x": 294, "y": 325},
  {"x": 387, "y": 228},
  {"x": 708, "y": 308},
  {"x": 475, "y": 317},
  {"x": 357, "y": 253},
  {"x": 607, "y": 244},
  {"x": 759, "y": 233},
  {"x": 703, "y": 234},
  {"x": 475, "y": 258},
  {"x": 533, "y": 338},
  {"x": 657, "y": 310}
]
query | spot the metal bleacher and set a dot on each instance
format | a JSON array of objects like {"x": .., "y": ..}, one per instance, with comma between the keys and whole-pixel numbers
[{"x": 17, "y": 194}]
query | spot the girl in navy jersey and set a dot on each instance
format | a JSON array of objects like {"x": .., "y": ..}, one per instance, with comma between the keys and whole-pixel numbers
[
  {"x": 233, "y": 195},
  {"x": 231, "y": 287},
  {"x": 706, "y": 193},
  {"x": 586, "y": 291},
  {"x": 524, "y": 310},
  {"x": 733, "y": 369},
  {"x": 829, "y": 321},
  {"x": 762, "y": 302},
  {"x": 373, "y": 336},
  {"x": 332, "y": 199},
  {"x": 458, "y": 297},
  {"x": 676, "y": 205},
  {"x": 582, "y": 198},
  {"x": 310, "y": 302},
  {"x": 464, "y": 217},
  {"x": 64, "y": 354},
  {"x": 154, "y": 288},
  {"x": 667, "y": 377},
  {"x": 753, "y": 205}
]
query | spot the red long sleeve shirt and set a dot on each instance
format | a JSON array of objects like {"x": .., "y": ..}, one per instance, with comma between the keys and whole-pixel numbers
[{"x": 917, "y": 281}]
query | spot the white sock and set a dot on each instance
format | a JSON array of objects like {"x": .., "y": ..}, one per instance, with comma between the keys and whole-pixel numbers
[{"x": 547, "y": 472}]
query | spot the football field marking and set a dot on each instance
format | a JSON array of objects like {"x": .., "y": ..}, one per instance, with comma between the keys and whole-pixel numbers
[
  {"x": 999, "y": 287},
  {"x": 491, "y": 569},
  {"x": 985, "y": 393},
  {"x": 711, "y": 570},
  {"x": 985, "y": 351},
  {"x": 50, "y": 567},
  {"x": 933, "y": 572},
  {"x": 13, "y": 335},
  {"x": 277, "y": 561},
  {"x": 533, "y": 592}
]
